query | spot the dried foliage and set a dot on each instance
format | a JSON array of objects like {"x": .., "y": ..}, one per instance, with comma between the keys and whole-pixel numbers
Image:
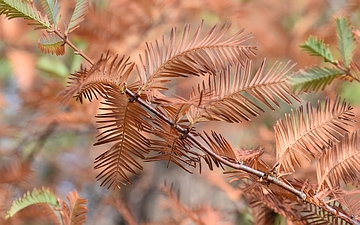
[
  {"x": 75, "y": 212},
  {"x": 306, "y": 132},
  {"x": 126, "y": 131},
  {"x": 89, "y": 83},
  {"x": 160, "y": 107},
  {"x": 332, "y": 168},
  {"x": 195, "y": 57},
  {"x": 227, "y": 96},
  {"x": 173, "y": 147}
]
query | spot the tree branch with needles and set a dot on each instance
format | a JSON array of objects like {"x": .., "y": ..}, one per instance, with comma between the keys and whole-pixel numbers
[{"x": 262, "y": 176}]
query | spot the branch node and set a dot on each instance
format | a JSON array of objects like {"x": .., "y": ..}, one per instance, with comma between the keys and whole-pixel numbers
[
  {"x": 133, "y": 97},
  {"x": 185, "y": 133}
]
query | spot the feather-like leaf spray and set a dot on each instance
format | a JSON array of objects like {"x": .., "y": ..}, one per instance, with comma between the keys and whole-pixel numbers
[
  {"x": 24, "y": 9},
  {"x": 239, "y": 95},
  {"x": 316, "y": 47},
  {"x": 123, "y": 123},
  {"x": 172, "y": 146},
  {"x": 221, "y": 146},
  {"x": 78, "y": 15},
  {"x": 52, "y": 9},
  {"x": 346, "y": 38},
  {"x": 313, "y": 79},
  {"x": 213, "y": 53},
  {"x": 75, "y": 212},
  {"x": 351, "y": 201},
  {"x": 307, "y": 131},
  {"x": 44, "y": 195},
  {"x": 95, "y": 81},
  {"x": 340, "y": 163}
]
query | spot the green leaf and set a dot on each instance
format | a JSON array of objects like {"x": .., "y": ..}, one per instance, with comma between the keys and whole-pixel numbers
[
  {"x": 51, "y": 43},
  {"x": 313, "y": 79},
  {"x": 78, "y": 15},
  {"x": 45, "y": 195},
  {"x": 51, "y": 8},
  {"x": 317, "y": 47},
  {"x": 23, "y": 9},
  {"x": 346, "y": 39}
]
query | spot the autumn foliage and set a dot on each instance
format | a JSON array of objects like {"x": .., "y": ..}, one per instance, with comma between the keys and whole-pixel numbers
[{"x": 238, "y": 112}]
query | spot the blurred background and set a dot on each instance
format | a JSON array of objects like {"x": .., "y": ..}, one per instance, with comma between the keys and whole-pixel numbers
[{"x": 45, "y": 144}]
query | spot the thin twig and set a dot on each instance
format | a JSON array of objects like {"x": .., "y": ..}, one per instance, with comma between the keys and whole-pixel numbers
[
  {"x": 77, "y": 51},
  {"x": 346, "y": 71}
]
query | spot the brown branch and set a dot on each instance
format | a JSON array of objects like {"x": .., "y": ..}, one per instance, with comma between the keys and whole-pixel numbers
[{"x": 239, "y": 166}]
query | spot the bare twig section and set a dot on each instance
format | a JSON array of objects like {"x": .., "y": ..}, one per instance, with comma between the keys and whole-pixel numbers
[{"x": 77, "y": 51}]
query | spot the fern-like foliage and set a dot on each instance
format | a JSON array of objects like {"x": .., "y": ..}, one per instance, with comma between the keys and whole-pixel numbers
[
  {"x": 78, "y": 15},
  {"x": 44, "y": 195},
  {"x": 93, "y": 82},
  {"x": 307, "y": 131},
  {"x": 317, "y": 77},
  {"x": 231, "y": 93},
  {"x": 75, "y": 212},
  {"x": 316, "y": 47},
  {"x": 124, "y": 123},
  {"x": 195, "y": 57},
  {"x": 72, "y": 214},
  {"x": 221, "y": 147},
  {"x": 172, "y": 146},
  {"x": 23, "y": 9},
  {"x": 346, "y": 39},
  {"x": 48, "y": 18},
  {"x": 313, "y": 214},
  {"x": 52, "y": 9},
  {"x": 51, "y": 43},
  {"x": 340, "y": 163},
  {"x": 313, "y": 79},
  {"x": 350, "y": 201},
  {"x": 267, "y": 206}
]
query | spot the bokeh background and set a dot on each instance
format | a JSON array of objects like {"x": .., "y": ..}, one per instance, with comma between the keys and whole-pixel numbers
[{"x": 46, "y": 144}]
